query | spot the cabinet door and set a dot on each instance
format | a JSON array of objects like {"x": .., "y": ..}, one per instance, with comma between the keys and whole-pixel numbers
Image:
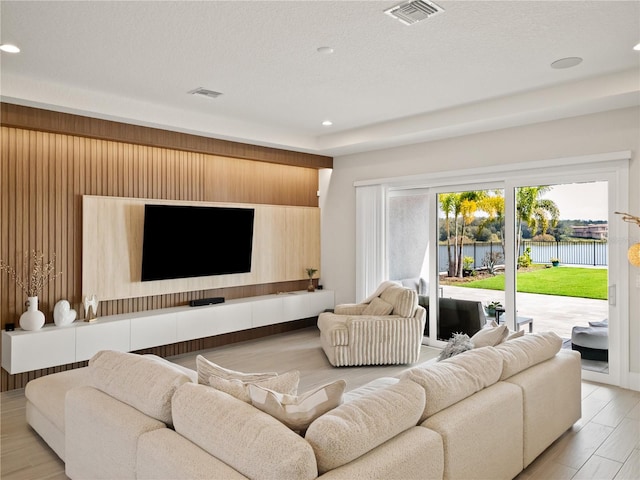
[
  {"x": 268, "y": 311},
  {"x": 93, "y": 337},
  {"x": 210, "y": 320},
  {"x": 305, "y": 305},
  {"x": 26, "y": 351},
  {"x": 153, "y": 331}
]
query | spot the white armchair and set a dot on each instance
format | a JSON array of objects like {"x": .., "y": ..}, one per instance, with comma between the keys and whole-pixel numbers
[{"x": 388, "y": 330}]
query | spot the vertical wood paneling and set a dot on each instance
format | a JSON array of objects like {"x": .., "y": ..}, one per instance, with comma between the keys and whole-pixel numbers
[{"x": 44, "y": 175}]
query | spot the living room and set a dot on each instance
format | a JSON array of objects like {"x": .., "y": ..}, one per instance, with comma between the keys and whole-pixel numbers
[{"x": 62, "y": 142}]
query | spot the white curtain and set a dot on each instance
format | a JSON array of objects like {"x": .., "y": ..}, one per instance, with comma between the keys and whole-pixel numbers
[{"x": 370, "y": 239}]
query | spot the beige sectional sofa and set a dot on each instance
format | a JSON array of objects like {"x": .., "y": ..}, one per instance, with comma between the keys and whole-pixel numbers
[{"x": 485, "y": 413}]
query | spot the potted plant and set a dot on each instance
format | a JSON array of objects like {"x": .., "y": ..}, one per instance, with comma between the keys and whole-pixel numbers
[
  {"x": 554, "y": 261},
  {"x": 467, "y": 262},
  {"x": 36, "y": 275},
  {"x": 310, "y": 273},
  {"x": 490, "y": 308}
]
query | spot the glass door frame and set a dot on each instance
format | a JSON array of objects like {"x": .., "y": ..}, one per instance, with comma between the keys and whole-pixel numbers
[
  {"x": 434, "y": 246},
  {"x": 618, "y": 268},
  {"x": 611, "y": 167}
]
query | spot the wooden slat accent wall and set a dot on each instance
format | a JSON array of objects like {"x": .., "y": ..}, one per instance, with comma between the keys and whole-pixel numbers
[
  {"x": 57, "y": 122},
  {"x": 43, "y": 176}
]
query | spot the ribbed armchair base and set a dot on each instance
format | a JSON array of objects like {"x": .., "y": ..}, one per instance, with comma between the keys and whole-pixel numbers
[{"x": 355, "y": 340}]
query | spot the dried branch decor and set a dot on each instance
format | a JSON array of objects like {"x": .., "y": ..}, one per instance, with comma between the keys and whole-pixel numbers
[
  {"x": 627, "y": 217},
  {"x": 40, "y": 273}
]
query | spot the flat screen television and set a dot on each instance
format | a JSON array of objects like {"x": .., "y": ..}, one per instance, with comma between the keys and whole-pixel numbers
[{"x": 183, "y": 241}]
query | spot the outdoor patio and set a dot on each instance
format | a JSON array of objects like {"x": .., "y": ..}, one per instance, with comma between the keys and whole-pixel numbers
[{"x": 549, "y": 312}]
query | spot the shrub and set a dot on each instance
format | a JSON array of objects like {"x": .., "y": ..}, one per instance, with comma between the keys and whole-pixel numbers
[{"x": 524, "y": 260}]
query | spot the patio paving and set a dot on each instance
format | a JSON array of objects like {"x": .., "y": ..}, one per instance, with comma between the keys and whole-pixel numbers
[{"x": 550, "y": 312}]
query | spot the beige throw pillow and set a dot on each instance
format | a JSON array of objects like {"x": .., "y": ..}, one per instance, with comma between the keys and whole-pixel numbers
[
  {"x": 378, "y": 307},
  {"x": 206, "y": 368},
  {"x": 404, "y": 300},
  {"x": 490, "y": 336},
  {"x": 287, "y": 383},
  {"x": 297, "y": 412},
  {"x": 512, "y": 335}
]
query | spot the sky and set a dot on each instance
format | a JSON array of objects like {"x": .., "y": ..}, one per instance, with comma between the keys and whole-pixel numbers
[{"x": 580, "y": 201}]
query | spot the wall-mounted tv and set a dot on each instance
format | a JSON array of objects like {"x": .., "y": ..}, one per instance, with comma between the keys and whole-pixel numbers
[{"x": 182, "y": 241}]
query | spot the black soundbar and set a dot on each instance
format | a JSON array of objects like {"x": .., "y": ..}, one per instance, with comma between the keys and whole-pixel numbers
[{"x": 205, "y": 301}]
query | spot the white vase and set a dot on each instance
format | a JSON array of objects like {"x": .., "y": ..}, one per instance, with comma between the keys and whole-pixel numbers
[{"x": 32, "y": 319}]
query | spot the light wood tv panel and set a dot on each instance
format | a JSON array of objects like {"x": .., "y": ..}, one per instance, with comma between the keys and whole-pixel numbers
[{"x": 286, "y": 240}]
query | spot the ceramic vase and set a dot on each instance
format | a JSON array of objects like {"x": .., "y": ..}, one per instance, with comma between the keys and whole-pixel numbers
[
  {"x": 311, "y": 287},
  {"x": 32, "y": 319}
]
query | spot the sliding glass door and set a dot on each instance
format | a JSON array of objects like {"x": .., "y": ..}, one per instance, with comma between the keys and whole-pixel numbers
[
  {"x": 531, "y": 254},
  {"x": 564, "y": 279},
  {"x": 470, "y": 259},
  {"x": 493, "y": 240}
]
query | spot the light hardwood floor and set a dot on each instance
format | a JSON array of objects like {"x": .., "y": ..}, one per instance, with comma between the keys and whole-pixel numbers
[{"x": 603, "y": 444}]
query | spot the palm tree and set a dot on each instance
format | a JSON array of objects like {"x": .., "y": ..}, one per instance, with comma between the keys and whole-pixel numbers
[
  {"x": 448, "y": 204},
  {"x": 493, "y": 206},
  {"x": 538, "y": 213},
  {"x": 461, "y": 208}
]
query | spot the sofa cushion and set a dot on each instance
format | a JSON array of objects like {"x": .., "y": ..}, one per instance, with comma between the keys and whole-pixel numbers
[
  {"x": 524, "y": 352},
  {"x": 490, "y": 336},
  {"x": 297, "y": 412},
  {"x": 378, "y": 307},
  {"x": 206, "y": 368},
  {"x": 47, "y": 393},
  {"x": 451, "y": 380},
  {"x": 248, "y": 440},
  {"x": 144, "y": 383},
  {"x": 404, "y": 300},
  {"x": 353, "y": 429},
  {"x": 369, "y": 388},
  {"x": 286, "y": 383}
]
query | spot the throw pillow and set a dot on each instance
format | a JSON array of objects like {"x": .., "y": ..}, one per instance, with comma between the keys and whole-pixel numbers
[
  {"x": 286, "y": 383},
  {"x": 512, "y": 335},
  {"x": 603, "y": 323},
  {"x": 378, "y": 307},
  {"x": 458, "y": 343},
  {"x": 297, "y": 412},
  {"x": 206, "y": 368},
  {"x": 490, "y": 336},
  {"x": 404, "y": 300}
]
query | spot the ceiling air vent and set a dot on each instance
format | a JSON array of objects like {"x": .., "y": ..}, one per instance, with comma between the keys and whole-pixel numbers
[
  {"x": 414, "y": 11},
  {"x": 204, "y": 92}
]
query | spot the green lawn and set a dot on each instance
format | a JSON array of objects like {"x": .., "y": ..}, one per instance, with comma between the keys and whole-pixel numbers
[{"x": 562, "y": 281}]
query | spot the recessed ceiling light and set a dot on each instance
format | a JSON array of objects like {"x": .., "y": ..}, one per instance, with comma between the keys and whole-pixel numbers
[
  {"x": 327, "y": 123},
  {"x": 325, "y": 50},
  {"x": 7, "y": 47},
  {"x": 637, "y": 47},
  {"x": 566, "y": 62}
]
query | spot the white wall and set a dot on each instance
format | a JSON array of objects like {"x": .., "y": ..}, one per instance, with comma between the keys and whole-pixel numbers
[{"x": 613, "y": 131}]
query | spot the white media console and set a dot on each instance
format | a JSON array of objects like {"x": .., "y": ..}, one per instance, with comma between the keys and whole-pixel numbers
[{"x": 51, "y": 346}]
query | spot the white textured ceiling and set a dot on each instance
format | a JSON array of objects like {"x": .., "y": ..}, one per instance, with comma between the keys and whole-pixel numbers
[{"x": 479, "y": 65}]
